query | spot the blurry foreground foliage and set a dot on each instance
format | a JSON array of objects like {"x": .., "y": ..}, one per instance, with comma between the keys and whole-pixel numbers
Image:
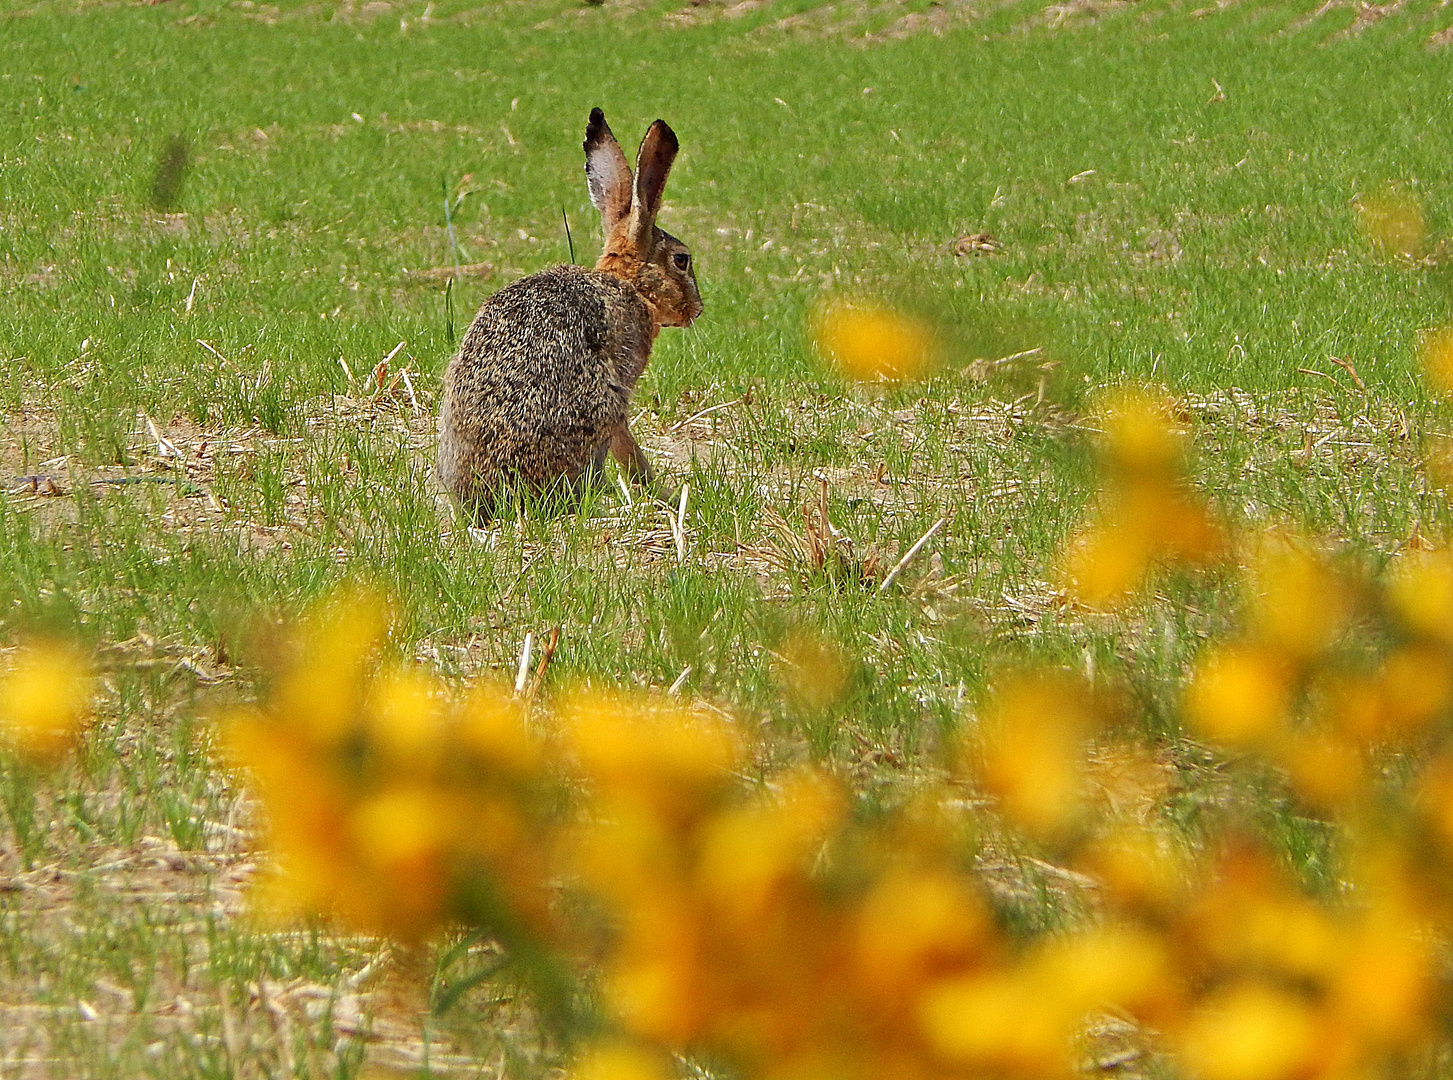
[{"x": 665, "y": 901}]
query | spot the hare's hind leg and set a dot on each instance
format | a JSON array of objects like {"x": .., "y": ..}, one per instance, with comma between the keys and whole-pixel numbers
[
  {"x": 593, "y": 475},
  {"x": 570, "y": 493},
  {"x": 630, "y": 456}
]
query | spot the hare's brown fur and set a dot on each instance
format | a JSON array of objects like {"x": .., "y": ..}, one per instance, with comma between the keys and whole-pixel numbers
[{"x": 540, "y": 389}]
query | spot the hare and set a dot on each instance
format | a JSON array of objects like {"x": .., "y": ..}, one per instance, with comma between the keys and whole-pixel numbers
[{"x": 540, "y": 389}]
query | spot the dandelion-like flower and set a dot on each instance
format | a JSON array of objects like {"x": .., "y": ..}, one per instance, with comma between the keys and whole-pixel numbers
[
  {"x": 1147, "y": 511},
  {"x": 390, "y": 803},
  {"x": 1393, "y": 223},
  {"x": 872, "y": 342},
  {"x": 45, "y": 693}
]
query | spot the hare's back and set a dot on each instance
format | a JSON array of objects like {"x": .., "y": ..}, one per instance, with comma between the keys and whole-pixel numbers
[
  {"x": 546, "y": 331},
  {"x": 538, "y": 385}
]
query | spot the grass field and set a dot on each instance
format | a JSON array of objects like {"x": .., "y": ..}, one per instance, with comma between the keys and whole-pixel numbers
[{"x": 217, "y": 219}]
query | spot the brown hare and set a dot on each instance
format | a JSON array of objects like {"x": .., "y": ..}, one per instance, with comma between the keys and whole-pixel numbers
[{"x": 540, "y": 390}]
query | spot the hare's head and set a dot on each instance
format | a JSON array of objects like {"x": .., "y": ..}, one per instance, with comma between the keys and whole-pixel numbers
[{"x": 655, "y": 262}]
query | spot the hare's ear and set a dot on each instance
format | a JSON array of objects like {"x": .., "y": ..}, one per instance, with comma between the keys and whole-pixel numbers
[
  {"x": 653, "y": 165},
  {"x": 606, "y": 172}
]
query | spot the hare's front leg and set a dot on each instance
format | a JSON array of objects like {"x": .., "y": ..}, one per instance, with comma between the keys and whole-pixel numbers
[{"x": 630, "y": 456}]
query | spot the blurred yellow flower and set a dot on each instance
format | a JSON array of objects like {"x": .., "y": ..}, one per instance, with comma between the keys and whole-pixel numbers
[
  {"x": 1301, "y": 605},
  {"x": 661, "y": 755},
  {"x": 1001, "y": 1020},
  {"x": 1433, "y": 797},
  {"x": 1106, "y": 967},
  {"x": 1032, "y": 750},
  {"x": 779, "y": 927},
  {"x": 816, "y": 670},
  {"x": 492, "y": 726},
  {"x": 402, "y": 824},
  {"x": 1352, "y": 707},
  {"x": 45, "y": 693},
  {"x": 1437, "y": 353},
  {"x": 1417, "y": 687},
  {"x": 1139, "y": 868},
  {"x": 404, "y": 715},
  {"x": 391, "y": 807},
  {"x": 1393, "y": 223},
  {"x": 1140, "y": 435},
  {"x": 1438, "y": 455},
  {"x": 620, "y": 1061},
  {"x": 748, "y": 852},
  {"x": 869, "y": 341},
  {"x": 1291, "y": 934},
  {"x": 1386, "y": 981},
  {"x": 1250, "y": 1031},
  {"x": 1326, "y": 769},
  {"x": 1421, "y": 592},
  {"x": 1239, "y": 694},
  {"x": 1147, "y": 513},
  {"x": 322, "y": 684},
  {"x": 659, "y": 996},
  {"x": 912, "y": 925},
  {"x": 1106, "y": 562}
]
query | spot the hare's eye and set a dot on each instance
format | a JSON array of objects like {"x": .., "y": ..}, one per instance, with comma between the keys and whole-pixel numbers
[{"x": 681, "y": 259}]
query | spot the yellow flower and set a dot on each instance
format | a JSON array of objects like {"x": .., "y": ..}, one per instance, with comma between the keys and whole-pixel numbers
[
  {"x": 1246, "y": 915},
  {"x": 1301, "y": 604},
  {"x": 1184, "y": 527},
  {"x": 1385, "y": 983},
  {"x": 663, "y": 756},
  {"x": 914, "y": 923},
  {"x": 1326, "y": 770},
  {"x": 1437, "y": 352},
  {"x": 869, "y": 341},
  {"x": 1421, "y": 592},
  {"x": 627, "y": 853},
  {"x": 1434, "y": 797},
  {"x": 1392, "y": 222},
  {"x": 1139, "y": 868},
  {"x": 620, "y": 1061},
  {"x": 1417, "y": 686},
  {"x": 402, "y": 836},
  {"x": 405, "y": 717},
  {"x": 298, "y": 886},
  {"x": 655, "y": 984},
  {"x": 1353, "y": 708},
  {"x": 1239, "y": 694},
  {"x": 1250, "y": 1031},
  {"x": 491, "y": 725},
  {"x": 1106, "y": 562},
  {"x": 841, "y": 1060},
  {"x": 1140, "y": 436},
  {"x": 1294, "y": 935},
  {"x": 1003, "y": 1019},
  {"x": 747, "y": 853},
  {"x": 1032, "y": 754},
  {"x": 402, "y": 824},
  {"x": 44, "y": 695},
  {"x": 1438, "y": 448},
  {"x": 1104, "y": 967},
  {"x": 321, "y": 691}
]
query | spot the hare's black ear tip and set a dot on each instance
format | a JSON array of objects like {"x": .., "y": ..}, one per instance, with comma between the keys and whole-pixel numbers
[
  {"x": 597, "y": 132},
  {"x": 667, "y": 135}
]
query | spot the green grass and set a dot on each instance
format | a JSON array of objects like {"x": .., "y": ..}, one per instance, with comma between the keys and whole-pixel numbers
[{"x": 1215, "y": 246}]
